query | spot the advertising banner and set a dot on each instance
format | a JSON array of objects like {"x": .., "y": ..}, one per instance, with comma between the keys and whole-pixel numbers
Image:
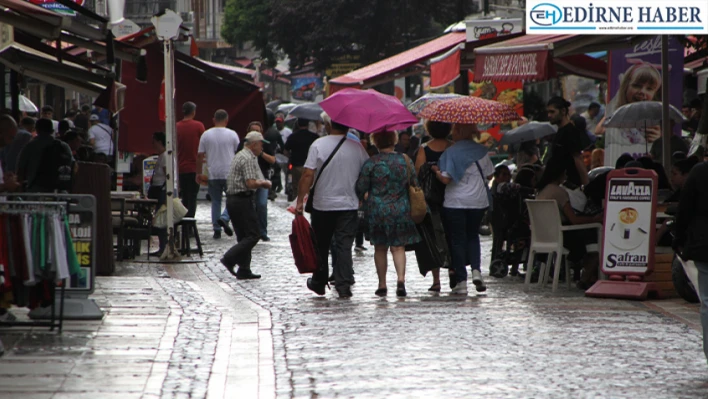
[
  {"x": 535, "y": 65},
  {"x": 630, "y": 222},
  {"x": 635, "y": 75},
  {"x": 81, "y": 227},
  {"x": 306, "y": 88},
  {"x": 507, "y": 92},
  {"x": 481, "y": 29},
  {"x": 612, "y": 17},
  {"x": 57, "y": 7}
]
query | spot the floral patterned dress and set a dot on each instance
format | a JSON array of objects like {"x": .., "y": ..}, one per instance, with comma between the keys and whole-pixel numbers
[{"x": 386, "y": 178}]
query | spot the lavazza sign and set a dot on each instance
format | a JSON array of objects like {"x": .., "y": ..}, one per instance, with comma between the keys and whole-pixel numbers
[{"x": 611, "y": 17}]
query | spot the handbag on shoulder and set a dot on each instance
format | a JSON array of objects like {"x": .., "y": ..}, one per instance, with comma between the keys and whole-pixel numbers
[{"x": 416, "y": 196}]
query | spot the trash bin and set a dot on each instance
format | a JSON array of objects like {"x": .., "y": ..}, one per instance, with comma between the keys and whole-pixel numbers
[{"x": 95, "y": 179}]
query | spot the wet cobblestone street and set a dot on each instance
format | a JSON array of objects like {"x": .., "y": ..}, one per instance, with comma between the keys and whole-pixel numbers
[{"x": 194, "y": 331}]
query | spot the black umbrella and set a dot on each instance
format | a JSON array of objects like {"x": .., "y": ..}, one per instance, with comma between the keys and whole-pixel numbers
[{"x": 309, "y": 111}]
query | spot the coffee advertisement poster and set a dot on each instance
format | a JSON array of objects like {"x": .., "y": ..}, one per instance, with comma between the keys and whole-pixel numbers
[{"x": 628, "y": 226}]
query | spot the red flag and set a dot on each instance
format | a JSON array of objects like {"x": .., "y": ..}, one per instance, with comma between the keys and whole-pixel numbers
[
  {"x": 445, "y": 69},
  {"x": 193, "y": 48},
  {"x": 162, "y": 114}
]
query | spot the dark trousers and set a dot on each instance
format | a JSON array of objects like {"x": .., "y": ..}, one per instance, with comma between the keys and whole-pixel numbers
[
  {"x": 462, "y": 228},
  {"x": 188, "y": 191},
  {"x": 245, "y": 222},
  {"x": 340, "y": 226}
]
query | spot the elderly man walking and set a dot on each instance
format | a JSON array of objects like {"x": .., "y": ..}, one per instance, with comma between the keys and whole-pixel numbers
[
  {"x": 218, "y": 145},
  {"x": 245, "y": 177}
]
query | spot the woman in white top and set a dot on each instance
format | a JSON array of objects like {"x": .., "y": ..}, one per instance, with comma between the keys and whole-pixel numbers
[{"x": 465, "y": 169}]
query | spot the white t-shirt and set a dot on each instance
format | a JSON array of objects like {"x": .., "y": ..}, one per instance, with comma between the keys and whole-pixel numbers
[
  {"x": 103, "y": 135},
  {"x": 219, "y": 144},
  {"x": 469, "y": 192},
  {"x": 335, "y": 191},
  {"x": 285, "y": 133},
  {"x": 159, "y": 175}
]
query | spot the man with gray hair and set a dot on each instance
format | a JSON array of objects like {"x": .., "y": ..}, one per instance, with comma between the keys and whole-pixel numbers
[
  {"x": 245, "y": 177},
  {"x": 189, "y": 131},
  {"x": 218, "y": 145}
]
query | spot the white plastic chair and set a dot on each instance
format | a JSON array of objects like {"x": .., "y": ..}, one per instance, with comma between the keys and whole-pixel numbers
[{"x": 547, "y": 238}]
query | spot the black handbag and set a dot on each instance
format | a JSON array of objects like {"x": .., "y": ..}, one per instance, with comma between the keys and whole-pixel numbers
[
  {"x": 432, "y": 187},
  {"x": 311, "y": 195},
  {"x": 432, "y": 251}
]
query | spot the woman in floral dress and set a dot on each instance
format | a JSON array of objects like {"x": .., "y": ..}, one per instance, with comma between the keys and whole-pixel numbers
[{"x": 386, "y": 178}]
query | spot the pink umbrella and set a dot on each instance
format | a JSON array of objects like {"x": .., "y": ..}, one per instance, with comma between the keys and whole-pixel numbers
[{"x": 368, "y": 111}]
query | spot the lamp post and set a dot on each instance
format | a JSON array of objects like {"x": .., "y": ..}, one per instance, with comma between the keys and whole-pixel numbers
[{"x": 167, "y": 29}]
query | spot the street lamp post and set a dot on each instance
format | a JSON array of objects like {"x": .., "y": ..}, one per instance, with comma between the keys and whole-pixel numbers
[{"x": 167, "y": 28}]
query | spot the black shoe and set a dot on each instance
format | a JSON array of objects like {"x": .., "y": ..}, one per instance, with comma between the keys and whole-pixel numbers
[
  {"x": 319, "y": 290},
  {"x": 226, "y": 227},
  {"x": 453, "y": 279},
  {"x": 265, "y": 239},
  {"x": 381, "y": 292},
  {"x": 249, "y": 275},
  {"x": 156, "y": 254},
  {"x": 401, "y": 289},
  {"x": 217, "y": 235},
  {"x": 331, "y": 278},
  {"x": 344, "y": 292},
  {"x": 229, "y": 268}
]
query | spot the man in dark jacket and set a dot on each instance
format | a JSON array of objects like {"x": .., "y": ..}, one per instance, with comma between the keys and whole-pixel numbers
[
  {"x": 297, "y": 148},
  {"x": 691, "y": 239}
]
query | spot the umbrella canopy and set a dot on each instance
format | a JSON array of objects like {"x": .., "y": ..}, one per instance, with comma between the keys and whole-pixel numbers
[
  {"x": 469, "y": 110},
  {"x": 285, "y": 108},
  {"x": 528, "y": 132},
  {"x": 309, "y": 111},
  {"x": 26, "y": 105},
  {"x": 416, "y": 106},
  {"x": 368, "y": 111},
  {"x": 641, "y": 114},
  {"x": 273, "y": 105}
]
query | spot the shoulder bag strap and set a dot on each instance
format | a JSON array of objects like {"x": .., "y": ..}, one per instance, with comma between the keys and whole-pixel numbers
[
  {"x": 324, "y": 165},
  {"x": 484, "y": 182}
]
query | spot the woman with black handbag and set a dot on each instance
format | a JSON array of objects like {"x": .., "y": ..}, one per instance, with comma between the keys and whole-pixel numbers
[{"x": 427, "y": 157}]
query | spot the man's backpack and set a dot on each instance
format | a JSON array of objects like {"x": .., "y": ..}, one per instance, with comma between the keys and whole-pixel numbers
[{"x": 55, "y": 171}]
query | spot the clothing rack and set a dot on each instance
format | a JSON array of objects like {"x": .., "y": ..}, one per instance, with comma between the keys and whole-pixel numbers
[{"x": 45, "y": 208}]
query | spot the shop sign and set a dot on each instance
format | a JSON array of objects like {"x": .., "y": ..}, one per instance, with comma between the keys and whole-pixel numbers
[
  {"x": 54, "y": 6},
  {"x": 82, "y": 231},
  {"x": 630, "y": 219},
  {"x": 513, "y": 66},
  {"x": 612, "y": 17},
  {"x": 491, "y": 28},
  {"x": 7, "y": 36}
]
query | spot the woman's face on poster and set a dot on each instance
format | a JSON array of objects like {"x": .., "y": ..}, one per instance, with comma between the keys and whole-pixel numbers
[{"x": 641, "y": 91}]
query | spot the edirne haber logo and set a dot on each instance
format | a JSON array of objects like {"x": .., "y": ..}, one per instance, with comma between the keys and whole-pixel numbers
[{"x": 611, "y": 17}]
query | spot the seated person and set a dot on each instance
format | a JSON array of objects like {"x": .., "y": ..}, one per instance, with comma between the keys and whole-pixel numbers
[
  {"x": 679, "y": 174},
  {"x": 502, "y": 175},
  {"x": 549, "y": 188}
]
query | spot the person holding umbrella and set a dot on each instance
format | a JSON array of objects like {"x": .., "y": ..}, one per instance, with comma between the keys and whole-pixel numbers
[{"x": 465, "y": 169}]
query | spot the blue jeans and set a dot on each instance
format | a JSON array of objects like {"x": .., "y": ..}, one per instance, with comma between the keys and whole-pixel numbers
[
  {"x": 262, "y": 210},
  {"x": 462, "y": 228},
  {"x": 703, "y": 295},
  {"x": 216, "y": 190}
]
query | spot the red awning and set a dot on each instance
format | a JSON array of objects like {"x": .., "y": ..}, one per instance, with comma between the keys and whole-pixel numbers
[
  {"x": 535, "y": 57},
  {"x": 422, "y": 53},
  {"x": 445, "y": 69}
]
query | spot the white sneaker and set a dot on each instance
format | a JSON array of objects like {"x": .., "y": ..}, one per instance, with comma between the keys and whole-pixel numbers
[
  {"x": 460, "y": 288},
  {"x": 477, "y": 281}
]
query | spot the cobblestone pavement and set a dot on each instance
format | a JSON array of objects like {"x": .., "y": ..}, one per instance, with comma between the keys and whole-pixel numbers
[{"x": 193, "y": 331}]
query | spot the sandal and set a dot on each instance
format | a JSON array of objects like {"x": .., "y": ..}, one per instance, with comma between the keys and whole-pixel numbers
[{"x": 434, "y": 288}]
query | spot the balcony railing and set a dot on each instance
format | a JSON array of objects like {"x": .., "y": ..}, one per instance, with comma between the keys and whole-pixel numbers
[{"x": 145, "y": 9}]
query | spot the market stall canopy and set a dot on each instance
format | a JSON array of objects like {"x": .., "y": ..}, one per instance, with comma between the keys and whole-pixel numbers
[
  {"x": 539, "y": 57},
  {"x": 208, "y": 85}
]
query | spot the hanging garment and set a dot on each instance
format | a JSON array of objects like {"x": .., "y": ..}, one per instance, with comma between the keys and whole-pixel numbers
[
  {"x": 29, "y": 262},
  {"x": 72, "y": 258},
  {"x": 60, "y": 256}
]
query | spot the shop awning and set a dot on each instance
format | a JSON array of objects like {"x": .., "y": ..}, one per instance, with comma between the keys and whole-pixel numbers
[
  {"x": 538, "y": 57},
  {"x": 371, "y": 75},
  {"x": 697, "y": 65}
]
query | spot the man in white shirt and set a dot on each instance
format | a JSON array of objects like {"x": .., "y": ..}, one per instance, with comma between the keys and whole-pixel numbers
[
  {"x": 101, "y": 137},
  {"x": 48, "y": 113},
  {"x": 285, "y": 131},
  {"x": 335, "y": 205},
  {"x": 218, "y": 145}
]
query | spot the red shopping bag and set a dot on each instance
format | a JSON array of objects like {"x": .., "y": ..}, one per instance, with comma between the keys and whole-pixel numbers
[{"x": 302, "y": 242}]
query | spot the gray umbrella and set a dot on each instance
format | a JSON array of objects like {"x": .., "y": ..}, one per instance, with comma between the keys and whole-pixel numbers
[
  {"x": 273, "y": 105},
  {"x": 640, "y": 115},
  {"x": 309, "y": 111},
  {"x": 528, "y": 132}
]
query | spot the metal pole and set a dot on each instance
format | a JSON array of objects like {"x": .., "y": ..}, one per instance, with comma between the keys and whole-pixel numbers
[
  {"x": 665, "y": 121},
  {"x": 170, "y": 251}
]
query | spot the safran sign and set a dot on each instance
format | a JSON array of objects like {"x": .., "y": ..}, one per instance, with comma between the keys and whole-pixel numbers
[{"x": 613, "y": 17}]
